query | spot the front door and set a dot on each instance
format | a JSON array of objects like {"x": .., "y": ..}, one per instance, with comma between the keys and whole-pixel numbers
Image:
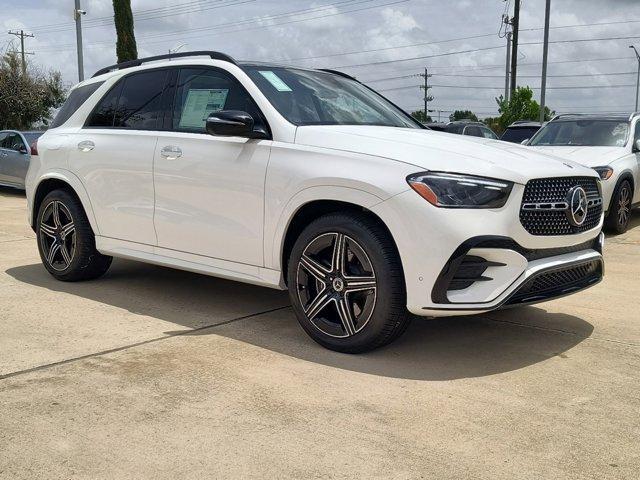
[
  {"x": 14, "y": 159},
  {"x": 209, "y": 190}
]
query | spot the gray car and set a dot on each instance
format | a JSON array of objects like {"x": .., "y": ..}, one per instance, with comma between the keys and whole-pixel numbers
[{"x": 15, "y": 154}]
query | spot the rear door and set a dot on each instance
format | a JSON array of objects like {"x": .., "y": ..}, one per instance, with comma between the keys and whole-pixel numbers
[{"x": 113, "y": 156}]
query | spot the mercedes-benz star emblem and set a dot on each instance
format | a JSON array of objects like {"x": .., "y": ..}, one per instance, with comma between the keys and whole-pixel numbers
[{"x": 577, "y": 211}]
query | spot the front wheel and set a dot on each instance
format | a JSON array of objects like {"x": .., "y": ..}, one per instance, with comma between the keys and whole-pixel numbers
[
  {"x": 617, "y": 220},
  {"x": 346, "y": 283}
]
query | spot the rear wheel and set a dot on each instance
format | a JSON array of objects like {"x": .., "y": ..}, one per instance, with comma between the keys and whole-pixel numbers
[
  {"x": 346, "y": 283},
  {"x": 617, "y": 220},
  {"x": 65, "y": 240}
]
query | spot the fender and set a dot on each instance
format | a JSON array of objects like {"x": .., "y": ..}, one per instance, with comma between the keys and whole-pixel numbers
[
  {"x": 274, "y": 240},
  {"x": 78, "y": 187}
]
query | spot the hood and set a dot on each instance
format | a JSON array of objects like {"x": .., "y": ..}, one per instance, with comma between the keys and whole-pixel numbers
[
  {"x": 588, "y": 156},
  {"x": 429, "y": 150}
]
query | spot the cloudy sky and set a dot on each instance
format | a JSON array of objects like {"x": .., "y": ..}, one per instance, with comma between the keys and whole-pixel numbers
[{"x": 382, "y": 42}]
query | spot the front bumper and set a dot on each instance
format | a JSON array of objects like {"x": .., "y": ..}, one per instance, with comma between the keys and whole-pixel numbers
[{"x": 520, "y": 268}]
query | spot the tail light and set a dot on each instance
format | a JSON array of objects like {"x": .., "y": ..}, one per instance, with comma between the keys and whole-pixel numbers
[{"x": 34, "y": 147}]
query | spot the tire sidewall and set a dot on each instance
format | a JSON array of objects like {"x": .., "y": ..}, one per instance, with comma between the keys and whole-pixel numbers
[{"x": 389, "y": 293}]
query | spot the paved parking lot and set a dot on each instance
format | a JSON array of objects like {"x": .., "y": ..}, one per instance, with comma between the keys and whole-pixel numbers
[{"x": 155, "y": 373}]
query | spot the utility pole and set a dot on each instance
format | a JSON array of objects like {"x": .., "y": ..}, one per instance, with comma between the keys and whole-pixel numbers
[
  {"x": 638, "y": 77},
  {"x": 427, "y": 97},
  {"x": 507, "y": 68},
  {"x": 22, "y": 36},
  {"x": 77, "y": 16},
  {"x": 545, "y": 53},
  {"x": 514, "y": 50}
]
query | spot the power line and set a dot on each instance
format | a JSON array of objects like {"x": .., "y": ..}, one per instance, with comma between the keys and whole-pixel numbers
[
  {"x": 574, "y": 87},
  {"x": 258, "y": 20}
]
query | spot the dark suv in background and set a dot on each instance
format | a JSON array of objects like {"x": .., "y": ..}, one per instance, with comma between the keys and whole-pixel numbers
[
  {"x": 464, "y": 127},
  {"x": 520, "y": 131}
]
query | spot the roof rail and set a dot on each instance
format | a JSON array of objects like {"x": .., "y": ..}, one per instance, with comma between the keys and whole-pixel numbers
[
  {"x": 140, "y": 61},
  {"x": 336, "y": 72}
]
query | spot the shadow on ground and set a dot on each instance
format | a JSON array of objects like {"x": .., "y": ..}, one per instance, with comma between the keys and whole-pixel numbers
[
  {"x": 11, "y": 192},
  {"x": 443, "y": 349}
]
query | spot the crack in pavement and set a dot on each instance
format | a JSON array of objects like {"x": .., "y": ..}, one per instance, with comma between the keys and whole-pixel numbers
[
  {"x": 565, "y": 332},
  {"x": 137, "y": 344}
]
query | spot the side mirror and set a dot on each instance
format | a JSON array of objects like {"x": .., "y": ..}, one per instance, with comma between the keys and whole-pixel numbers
[
  {"x": 636, "y": 146},
  {"x": 23, "y": 150},
  {"x": 233, "y": 123},
  {"x": 525, "y": 141}
]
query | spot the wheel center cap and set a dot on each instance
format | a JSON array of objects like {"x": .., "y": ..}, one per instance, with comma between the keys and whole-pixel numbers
[{"x": 338, "y": 284}]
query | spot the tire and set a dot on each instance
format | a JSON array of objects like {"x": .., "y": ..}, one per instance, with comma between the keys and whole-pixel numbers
[
  {"x": 358, "y": 306},
  {"x": 65, "y": 239},
  {"x": 617, "y": 220}
]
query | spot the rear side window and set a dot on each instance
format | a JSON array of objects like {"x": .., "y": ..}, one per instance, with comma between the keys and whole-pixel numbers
[
  {"x": 75, "y": 100},
  {"x": 134, "y": 103}
]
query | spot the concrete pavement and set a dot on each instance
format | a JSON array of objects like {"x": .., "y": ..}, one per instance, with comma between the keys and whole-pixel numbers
[{"x": 155, "y": 373}]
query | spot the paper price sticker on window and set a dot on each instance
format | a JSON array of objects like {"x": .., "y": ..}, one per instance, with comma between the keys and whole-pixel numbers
[
  {"x": 275, "y": 80},
  {"x": 200, "y": 103}
]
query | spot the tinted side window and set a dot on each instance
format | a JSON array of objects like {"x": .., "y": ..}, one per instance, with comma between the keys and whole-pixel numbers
[
  {"x": 75, "y": 100},
  {"x": 104, "y": 112},
  {"x": 636, "y": 135},
  {"x": 13, "y": 141},
  {"x": 473, "y": 131},
  {"x": 488, "y": 133},
  {"x": 203, "y": 91},
  {"x": 140, "y": 104}
]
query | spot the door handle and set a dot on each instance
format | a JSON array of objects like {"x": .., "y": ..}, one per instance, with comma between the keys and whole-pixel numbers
[
  {"x": 171, "y": 152},
  {"x": 86, "y": 146}
]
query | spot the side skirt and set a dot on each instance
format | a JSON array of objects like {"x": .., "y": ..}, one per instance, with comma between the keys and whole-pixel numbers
[{"x": 214, "y": 267}]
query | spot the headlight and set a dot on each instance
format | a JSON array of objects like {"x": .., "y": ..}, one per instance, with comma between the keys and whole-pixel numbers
[
  {"x": 604, "y": 172},
  {"x": 451, "y": 190}
]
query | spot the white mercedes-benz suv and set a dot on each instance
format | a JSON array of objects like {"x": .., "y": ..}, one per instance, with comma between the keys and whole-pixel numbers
[
  {"x": 309, "y": 181},
  {"x": 608, "y": 143}
]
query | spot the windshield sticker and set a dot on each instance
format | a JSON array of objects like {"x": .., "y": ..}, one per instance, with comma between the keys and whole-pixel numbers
[
  {"x": 201, "y": 103},
  {"x": 275, "y": 80}
]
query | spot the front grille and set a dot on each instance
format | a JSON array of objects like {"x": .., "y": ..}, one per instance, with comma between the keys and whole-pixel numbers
[
  {"x": 552, "y": 193},
  {"x": 558, "y": 282}
]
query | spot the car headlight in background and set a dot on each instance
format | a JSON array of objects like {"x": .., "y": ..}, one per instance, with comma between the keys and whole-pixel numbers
[
  {"x": 604, "y": 172},
  {"x": 452, "y": 190}
]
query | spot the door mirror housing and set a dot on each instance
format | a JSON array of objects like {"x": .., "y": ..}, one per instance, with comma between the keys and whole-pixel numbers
[
  {"x": 23, "y": 150},
  {"x": 636, "y": 146},
  {"x": 234, "y": 123}
]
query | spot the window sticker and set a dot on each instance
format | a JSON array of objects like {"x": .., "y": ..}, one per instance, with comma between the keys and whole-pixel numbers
[
  {"x": 275, "y": 80},
  {"x": 200, "y": 103}
]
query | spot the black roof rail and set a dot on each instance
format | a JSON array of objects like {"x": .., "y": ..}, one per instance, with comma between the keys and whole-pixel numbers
[
  {"x": 140, "y": 61},
  {"x": 336, "y": 72}
]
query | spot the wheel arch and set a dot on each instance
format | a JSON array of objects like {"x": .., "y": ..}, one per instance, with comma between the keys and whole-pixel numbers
[
  {"x": 312, "y": 210},
  {"x": 64, "y": 181}
]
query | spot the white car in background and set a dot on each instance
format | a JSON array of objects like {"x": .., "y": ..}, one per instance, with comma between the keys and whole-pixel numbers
[
  {"x": 306, "y": 180},
  {"x": 608, "y": 143}
]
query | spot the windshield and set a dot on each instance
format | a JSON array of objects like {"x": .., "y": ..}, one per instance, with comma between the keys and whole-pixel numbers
[
  {"x": 590, "y": 133},
  {"x": 307, "y": 97}
]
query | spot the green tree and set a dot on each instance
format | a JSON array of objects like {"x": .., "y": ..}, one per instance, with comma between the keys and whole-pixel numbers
[
  {"x": 463, "y": 115},
  {"x": 521, "y": 106},
  {"x": 421, "y": 117},
  {"x": 126, "y": 43},
  {"x": 27, "y": 99},
  {"x": 494, "y": 124}
]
